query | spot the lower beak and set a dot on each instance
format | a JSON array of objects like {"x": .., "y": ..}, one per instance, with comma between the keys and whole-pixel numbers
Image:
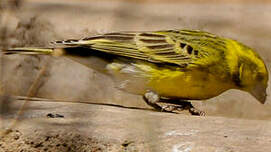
[{"x": 259, "y": 93}]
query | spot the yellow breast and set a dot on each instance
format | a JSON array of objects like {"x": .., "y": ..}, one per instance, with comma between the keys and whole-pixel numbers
[{"x": 186, "y": 84}]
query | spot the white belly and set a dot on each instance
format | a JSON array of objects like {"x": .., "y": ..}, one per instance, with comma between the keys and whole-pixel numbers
[{"x": 126, "y": 76}]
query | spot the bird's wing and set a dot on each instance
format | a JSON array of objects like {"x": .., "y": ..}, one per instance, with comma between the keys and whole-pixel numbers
[{"x": 172, "y": 47}]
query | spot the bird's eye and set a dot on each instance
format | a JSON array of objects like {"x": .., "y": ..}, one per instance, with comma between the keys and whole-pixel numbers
[{"x": 259, "y": 77}]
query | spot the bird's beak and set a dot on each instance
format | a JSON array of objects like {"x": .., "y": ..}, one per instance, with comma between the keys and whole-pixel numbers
[{"x": 259, "y": 92}]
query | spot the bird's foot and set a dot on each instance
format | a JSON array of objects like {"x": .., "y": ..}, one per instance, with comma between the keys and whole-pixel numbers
[
  {"x": 170, "y": 105},
  {"x": 178, "y": 108},
  {"x": 196, "y": 112}
]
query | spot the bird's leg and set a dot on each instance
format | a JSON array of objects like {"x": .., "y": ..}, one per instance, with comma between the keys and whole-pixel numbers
[
  {"x": 181, "y": 105},
  {"x": 152, "y": 99},
  {"x": 173, "y": 105}
]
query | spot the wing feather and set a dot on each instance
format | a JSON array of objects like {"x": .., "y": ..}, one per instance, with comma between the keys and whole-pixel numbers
[{"x": 174, "y": 47}]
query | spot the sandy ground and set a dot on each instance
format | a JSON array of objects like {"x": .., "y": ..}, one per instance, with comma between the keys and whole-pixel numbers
[
  {"x": 87, "y": 127},
  {"x": 36, "y": 23}
]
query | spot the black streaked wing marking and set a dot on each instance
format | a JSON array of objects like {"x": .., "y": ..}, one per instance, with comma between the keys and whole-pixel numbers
[
  {"x": 117, "y": 51},
  {"x": 154, "y": 41},
  {"x": 202, "y": 38},
  {"x": 201, "y": 42},
  {"x": 160, "y": 49},
  {"x": 152, "y": 35},
  {"x": 163, "y": 51},
  {"x": 182, "y": 45},
  {"x": 113, "y": 37},
  {"x": 119, "y": 44},
  {"x": 124, "y": 44},
  {"x": 121, "y": 34}
]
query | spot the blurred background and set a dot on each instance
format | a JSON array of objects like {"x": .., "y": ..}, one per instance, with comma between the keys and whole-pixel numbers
[{"x": 38, "y": 22}]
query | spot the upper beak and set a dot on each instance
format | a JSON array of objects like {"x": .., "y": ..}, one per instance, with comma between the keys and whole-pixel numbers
[{"x": 259, "y": 92}]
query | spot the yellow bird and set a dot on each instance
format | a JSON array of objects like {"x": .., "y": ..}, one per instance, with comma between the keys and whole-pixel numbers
[{"x": 172, "y": 64}]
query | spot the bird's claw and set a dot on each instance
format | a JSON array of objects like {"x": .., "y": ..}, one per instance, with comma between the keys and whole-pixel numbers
[
  {"x": 196, "y": 112},
  {"x": 154, "y": 100},
  {"x": 178, "y": 108}
]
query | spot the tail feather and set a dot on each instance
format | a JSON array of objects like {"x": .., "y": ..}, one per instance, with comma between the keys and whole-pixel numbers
[{"x": 29, "y": 51}]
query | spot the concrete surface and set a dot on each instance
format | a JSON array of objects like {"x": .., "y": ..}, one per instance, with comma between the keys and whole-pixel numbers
[{"x": 88, "y": 127}]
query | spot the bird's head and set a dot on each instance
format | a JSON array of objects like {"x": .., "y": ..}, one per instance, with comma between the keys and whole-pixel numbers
[{"x": 252, "y": 73}]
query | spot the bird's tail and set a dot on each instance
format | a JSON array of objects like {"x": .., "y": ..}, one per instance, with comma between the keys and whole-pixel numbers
[{"x": 34, "y": 51}]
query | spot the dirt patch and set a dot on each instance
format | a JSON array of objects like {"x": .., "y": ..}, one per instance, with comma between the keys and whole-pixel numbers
[{"x": 52, "y": 141}]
